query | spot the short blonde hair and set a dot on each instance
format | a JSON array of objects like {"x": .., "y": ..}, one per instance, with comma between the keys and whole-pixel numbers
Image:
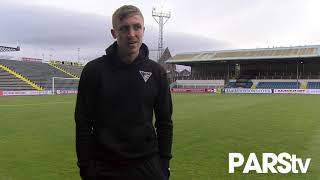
[{"x": 124, "y": 12}]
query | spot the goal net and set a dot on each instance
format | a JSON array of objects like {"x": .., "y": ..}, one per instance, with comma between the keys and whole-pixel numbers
[{"x": 61, "y": 85}]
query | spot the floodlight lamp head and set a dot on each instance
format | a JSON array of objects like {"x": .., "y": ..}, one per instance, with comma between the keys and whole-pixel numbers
[{"x": 160, "y": 12}]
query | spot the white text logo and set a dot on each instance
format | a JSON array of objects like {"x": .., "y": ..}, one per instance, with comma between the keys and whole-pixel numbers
[{"x": 282, "y": 163}]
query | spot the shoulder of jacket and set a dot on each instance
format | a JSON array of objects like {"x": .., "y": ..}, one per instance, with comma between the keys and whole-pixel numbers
[
  {"x": 156, "y": 66},
  {"x": 94, "y": 65}
]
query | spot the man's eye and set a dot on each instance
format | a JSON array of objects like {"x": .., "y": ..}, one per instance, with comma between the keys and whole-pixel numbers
[
  {"x": 124, "y": 29},
  {"x": 137, "y": 27}
]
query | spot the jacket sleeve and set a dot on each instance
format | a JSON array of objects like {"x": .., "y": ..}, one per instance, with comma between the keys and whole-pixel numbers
[
  {"x": 163, "y": 123},
  {"x": 84, "y": 115}
]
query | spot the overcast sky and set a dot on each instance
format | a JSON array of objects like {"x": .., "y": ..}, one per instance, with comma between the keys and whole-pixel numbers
[{"x": 59, "y": 27}]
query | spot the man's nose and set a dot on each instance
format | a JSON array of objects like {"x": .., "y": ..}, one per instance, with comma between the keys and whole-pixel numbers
[{"x": 131, "y": 32}]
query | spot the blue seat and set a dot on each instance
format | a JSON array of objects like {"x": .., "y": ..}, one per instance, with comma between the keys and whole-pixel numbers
[
  {"x": 313, "y": 85},
  {"x": 278, "y": 85}
]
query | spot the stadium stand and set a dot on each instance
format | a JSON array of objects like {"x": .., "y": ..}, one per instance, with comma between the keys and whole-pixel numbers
[
  {"x": 231, "y": 85},
  {"x": 278, "y": 85},
  {"x": 239, "y": 84},
  {"x": 10, "y": 82},
  {"x": 75, "y": 70},
  {"x": 276, "y": 67},
  {"x": 244, "y": 54},
  {"x": 40, "y": 73},
  {"x": 313, "y": 85}
]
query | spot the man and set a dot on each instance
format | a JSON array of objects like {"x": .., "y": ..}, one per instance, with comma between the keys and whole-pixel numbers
[{"x": 117, "y": 95}]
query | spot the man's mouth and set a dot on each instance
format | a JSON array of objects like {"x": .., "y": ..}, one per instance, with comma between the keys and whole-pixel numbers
[{"x": 132, "y": 42}]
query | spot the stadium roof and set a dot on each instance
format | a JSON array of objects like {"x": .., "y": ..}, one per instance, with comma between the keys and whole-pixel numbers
[
  {"x": 247, "y": 54},
  {"x": 7, "y": 49}
]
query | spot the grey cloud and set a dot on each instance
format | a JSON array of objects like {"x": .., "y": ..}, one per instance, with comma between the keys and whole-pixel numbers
[
  {"x": 182, "y": 42},
  {"x": 49, "y": 28}
]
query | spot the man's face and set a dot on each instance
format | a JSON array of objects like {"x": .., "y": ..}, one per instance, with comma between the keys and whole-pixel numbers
[{"x": 129, "y": 34}]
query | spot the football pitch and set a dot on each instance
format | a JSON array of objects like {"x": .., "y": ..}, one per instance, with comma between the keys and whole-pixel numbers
[{"x": 37, "y": 135}]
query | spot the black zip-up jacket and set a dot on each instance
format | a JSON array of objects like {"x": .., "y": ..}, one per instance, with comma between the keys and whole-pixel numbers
[{"x": 114, "y": 111}]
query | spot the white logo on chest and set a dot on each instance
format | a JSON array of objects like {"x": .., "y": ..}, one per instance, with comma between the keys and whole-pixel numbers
[{"x": 145, "y": 75}]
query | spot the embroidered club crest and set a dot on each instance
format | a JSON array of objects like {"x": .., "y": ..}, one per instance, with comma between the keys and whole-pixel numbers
[{"x": 145, "y": 75}]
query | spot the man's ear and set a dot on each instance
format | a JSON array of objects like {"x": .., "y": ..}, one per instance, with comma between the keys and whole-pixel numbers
[{"x": 113, "y": 33}]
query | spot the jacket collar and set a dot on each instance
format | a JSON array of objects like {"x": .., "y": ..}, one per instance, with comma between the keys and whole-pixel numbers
[{"x": 112, "y": 56}]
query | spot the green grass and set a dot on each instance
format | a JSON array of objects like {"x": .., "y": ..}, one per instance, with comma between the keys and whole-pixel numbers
[{"x": 37, "y": 135}]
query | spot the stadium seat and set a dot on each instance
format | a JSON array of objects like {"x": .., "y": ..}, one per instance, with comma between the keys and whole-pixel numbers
[
  {"x": 313, "y": 85},
  {"x": 278, "y": 85}
]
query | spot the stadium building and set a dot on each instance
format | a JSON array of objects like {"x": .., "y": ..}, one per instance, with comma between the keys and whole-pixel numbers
[{"x": 280, "y": 68}]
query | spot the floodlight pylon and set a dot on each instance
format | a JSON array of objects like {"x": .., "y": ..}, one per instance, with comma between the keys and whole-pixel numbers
[{"x": 161, "y": 16}]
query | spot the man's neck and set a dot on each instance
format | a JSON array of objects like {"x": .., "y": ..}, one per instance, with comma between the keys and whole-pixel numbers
[{"x": 127, "y": 58}]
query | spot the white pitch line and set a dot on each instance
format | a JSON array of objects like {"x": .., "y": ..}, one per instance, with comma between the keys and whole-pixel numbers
[{"x": 36, "y": 104}]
